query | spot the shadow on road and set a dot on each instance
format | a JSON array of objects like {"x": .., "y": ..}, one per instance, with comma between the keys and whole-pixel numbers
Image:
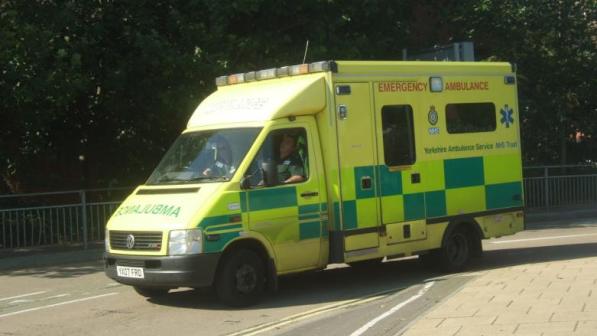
[
  {"x": 58, "y": 272},
  {"x": 331, "y": 285},
  {"x": 347, "y": 283}
]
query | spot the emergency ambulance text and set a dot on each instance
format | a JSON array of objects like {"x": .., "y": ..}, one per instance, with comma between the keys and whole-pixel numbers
[{"x": 410, "y": 86}]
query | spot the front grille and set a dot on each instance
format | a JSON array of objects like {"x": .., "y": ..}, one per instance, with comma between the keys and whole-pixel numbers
[
  {"x": 143, "y": 241},
  {"x": 130, "y": 263}
]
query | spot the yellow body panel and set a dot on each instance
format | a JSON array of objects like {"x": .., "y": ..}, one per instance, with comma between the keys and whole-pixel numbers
[{"x": 363, "y": 208}]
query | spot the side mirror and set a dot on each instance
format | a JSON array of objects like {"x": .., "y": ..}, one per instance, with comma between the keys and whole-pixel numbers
[
  {"x": 245, "y": 183},
  {"x": 270, "y": 173}
]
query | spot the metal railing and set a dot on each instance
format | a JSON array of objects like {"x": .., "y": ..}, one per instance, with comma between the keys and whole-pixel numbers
[
  {"x": 560, "y": 186},
  {"x": 57, "y": 218},
  {"x": 79, "y": 217}
]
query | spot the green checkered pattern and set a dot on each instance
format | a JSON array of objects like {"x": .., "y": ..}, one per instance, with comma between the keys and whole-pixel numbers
[{"x": 447, "y": 187}]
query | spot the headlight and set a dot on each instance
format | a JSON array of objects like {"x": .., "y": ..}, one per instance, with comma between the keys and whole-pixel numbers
[
  {"x": 107, "y": 240},
  {"x": 184, "y": 242}
]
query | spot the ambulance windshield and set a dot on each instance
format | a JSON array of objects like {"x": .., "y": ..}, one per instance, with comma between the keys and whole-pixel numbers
[{"x": 204, "y": 156}]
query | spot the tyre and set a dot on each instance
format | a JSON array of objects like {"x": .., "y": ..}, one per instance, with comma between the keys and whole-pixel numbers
[
  {"x": 241, "y": 278},
  {"x": 456, "y": 251},
  {"x": 150, "y": 292}
]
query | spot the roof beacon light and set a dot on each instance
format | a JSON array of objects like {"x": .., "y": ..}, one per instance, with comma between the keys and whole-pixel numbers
[
  {"x": 250, "y": 76},
  {"x": 282, "y": 72},
  {"x": 319, "y": 66},
  {"x": 236, "y": 78},
  {"x": 266, "y": 74},
  {"x": 221, "y": 81},
  {"x": 298, "y": 69}
]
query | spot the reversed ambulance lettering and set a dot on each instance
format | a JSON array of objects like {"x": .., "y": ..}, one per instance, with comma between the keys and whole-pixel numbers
[{"x": 149, "y": 209}]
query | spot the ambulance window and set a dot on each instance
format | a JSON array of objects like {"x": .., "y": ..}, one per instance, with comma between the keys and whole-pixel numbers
[
  {"x": 470, "y": 118},
  {"x": 398, "y": 135},
  {"x": 285, "y": 153}
]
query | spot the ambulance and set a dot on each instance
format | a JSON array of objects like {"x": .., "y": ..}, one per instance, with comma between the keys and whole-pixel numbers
[{"x": 290, "y": 169}]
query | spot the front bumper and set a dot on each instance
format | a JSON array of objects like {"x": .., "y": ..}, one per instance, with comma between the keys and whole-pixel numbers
[{"x": 165, "y": 271}]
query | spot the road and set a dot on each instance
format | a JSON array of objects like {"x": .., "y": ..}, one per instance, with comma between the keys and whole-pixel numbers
[{"x": 378, "y": 300}]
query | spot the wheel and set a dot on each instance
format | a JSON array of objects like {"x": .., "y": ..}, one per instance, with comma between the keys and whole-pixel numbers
[
  {"x": 241, "y": 278},
  {"x": 456, "y": 251},
  {"x": 151, "y": 291}
]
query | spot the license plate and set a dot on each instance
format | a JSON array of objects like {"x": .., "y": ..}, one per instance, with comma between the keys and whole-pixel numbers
[{"x": 130, "y": 272}]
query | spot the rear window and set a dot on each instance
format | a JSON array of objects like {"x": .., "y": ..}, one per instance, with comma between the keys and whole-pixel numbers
[
  {"x": 398, "y": 135},
  {"x": 470, "y": 118}
]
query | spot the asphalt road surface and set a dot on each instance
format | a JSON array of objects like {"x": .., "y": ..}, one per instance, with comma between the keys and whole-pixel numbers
[{"x": 377, "y": 300}]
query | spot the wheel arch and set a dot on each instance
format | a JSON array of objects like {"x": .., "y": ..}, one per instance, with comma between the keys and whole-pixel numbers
[
  {"x": 262, "y": 250},
  {"x": 472, "y": 227}
]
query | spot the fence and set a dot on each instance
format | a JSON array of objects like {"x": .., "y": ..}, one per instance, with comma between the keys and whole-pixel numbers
[
  {"x": 560, "y": 186},
  {"x": 57, "y": 218},
  {"x": 78, "y": 217}
]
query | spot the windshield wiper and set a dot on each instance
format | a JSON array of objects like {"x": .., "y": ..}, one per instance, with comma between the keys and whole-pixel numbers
[
  {"x": 209, "y": 178},
  {"x": 194, "y": 179}
]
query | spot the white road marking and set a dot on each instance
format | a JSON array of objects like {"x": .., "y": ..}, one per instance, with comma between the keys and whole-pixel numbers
[
  {"x": 311, "y": 313},
  {"x": 56, "y": 296},
  {"x": 542, "y": 238},
  {"x": 22, "y": 295},
  {"x": 20, "y": 301},
  {"x": 394, "y": 309},
  {"x": 56, "y": 304}
]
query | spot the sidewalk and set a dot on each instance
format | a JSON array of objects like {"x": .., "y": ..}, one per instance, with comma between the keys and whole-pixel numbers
[
  {"x": 552, "y": 298},
  {"x": 554, "y": 294}
]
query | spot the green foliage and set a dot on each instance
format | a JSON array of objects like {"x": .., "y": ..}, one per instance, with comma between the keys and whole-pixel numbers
[
  {"x": 93, "y": 92},
  {"x": 554, "y": 45}
]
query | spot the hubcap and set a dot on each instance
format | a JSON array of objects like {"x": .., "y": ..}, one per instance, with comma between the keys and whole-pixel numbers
[{"x": 246, "y": 279}]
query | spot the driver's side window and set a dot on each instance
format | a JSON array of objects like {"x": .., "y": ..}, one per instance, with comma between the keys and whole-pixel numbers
[{"x": 282, "y": 159}]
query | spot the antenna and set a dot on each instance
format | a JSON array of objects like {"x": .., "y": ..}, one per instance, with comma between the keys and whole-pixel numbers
[{"x": 306, "y": 49}]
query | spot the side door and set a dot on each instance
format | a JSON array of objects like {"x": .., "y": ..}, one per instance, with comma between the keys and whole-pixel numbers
[
  {"x": 359, "y": 205},
  {"x": 288, "y": 214},
  {"x": 401, "y": 175}
]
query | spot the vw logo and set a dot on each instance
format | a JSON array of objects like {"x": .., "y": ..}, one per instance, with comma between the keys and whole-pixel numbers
[{"x": 130, "y": 241}]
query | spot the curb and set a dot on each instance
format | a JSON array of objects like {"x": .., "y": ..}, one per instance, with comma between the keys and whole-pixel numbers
[{"x": 53, "y": 259}]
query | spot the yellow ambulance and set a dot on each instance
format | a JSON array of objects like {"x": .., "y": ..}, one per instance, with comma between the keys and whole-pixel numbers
[{"x": 290, "y": 169}]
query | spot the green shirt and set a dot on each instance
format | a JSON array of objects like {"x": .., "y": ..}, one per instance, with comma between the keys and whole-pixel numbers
[{"x": 290, "y": 166}]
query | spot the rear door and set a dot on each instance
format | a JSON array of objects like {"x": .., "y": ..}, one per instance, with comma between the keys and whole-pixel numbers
[
  {"x": 359, "y": 208},
  {"x": 401, "y": 174}
]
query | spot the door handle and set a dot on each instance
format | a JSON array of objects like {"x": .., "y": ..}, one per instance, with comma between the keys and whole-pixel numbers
[
  {"x": 366, "y": 182},
  {"x": 309, "y": 193},
  {"x": 415, "y": 178}
]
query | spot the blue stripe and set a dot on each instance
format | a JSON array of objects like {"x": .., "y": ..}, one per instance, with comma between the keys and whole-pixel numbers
[
  {"x": 303, "y": 209},
  {"x": 272, "y": 198},
  {"x": 390, "y": 182},
  {"x": 218, "y": 245},
  {"x": 243, "y": 201},
  {"x": 214, "y": 229},
  {"x": 349, "y": 215},
  {"x": 504, "y": 195},
  {"x": 214, "y": 220},
  {"x": 315, "y": 215},
  {"x": 310, "y": 230}
]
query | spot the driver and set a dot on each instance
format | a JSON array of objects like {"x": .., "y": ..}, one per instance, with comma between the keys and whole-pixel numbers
[
  {"x": 222, "y": 159},
  {"x": 290, "y": 165}
]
